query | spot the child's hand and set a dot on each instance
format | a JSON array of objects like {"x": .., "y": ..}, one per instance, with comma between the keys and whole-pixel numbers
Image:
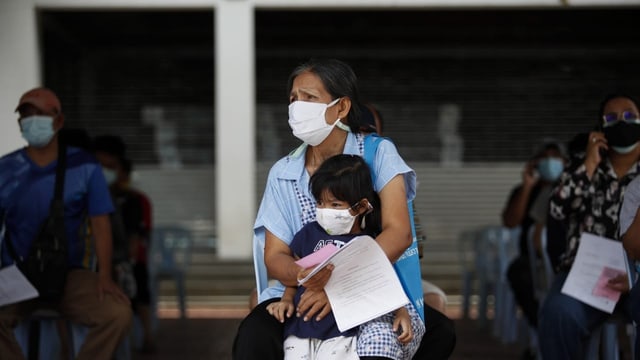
[
  {"x": 281, "y": 310},
  {"x": 403, "y": 322},
  {"x": 317, "y": 281}
]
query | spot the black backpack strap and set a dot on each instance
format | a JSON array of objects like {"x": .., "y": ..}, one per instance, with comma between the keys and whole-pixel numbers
[{"x": 57, "y": 203}]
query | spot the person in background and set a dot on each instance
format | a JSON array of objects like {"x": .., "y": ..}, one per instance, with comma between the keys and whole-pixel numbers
[
  {"x": 587, "y": 199},
  {"x": 132, "y": 224},
  {"x": 27, "y": 178},
  {"x": 527, "y": 208}
]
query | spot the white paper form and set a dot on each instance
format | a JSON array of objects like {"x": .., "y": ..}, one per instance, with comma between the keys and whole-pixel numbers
[
  {"x": 598, "y": 259},
  {"x": 363, "y": 284},
  {"x": 14, "y": 286}
]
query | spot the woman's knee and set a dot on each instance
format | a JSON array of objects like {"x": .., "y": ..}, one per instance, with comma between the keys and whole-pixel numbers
[{"x": 560, "y": 311}]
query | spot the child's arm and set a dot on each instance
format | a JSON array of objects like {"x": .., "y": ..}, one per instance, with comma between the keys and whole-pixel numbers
[
  {"x": 402, "y": 322},
  {"x": 283, "y": 309}
]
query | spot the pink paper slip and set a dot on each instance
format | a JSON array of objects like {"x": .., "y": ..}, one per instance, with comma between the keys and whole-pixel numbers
[
  {"x": 601, "y": 289},
  {"x": 317, "y": 257}
]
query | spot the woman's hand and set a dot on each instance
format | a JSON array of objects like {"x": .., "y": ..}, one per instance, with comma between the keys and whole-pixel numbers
[
  {"x": 313, "y": 303},
  {"x": 281, "y": 310},
  {"x": 529, "y": 177},
  {"x": 402, "y": 322},
  {"x": 619, "y": 283},
  {"x": 596, "y": 142}
]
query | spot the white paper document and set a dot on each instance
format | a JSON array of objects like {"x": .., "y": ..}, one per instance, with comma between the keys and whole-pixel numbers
[
  {"x": 598, "y": 259},
  {"x": 363, "y": 284},
  {"x": 14, "y": 286}
]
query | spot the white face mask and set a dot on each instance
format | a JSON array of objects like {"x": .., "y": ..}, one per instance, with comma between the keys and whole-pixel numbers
[
  {"x": 109, "y": 175},
  {"x": 308, "y": 123},
  {"x": 37, "y": 130},
  {"x": 335, "y": 221}
]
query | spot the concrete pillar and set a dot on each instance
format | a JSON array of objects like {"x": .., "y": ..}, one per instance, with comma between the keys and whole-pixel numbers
[
  {"x": 19, "y": 65},
  {"x": 235, "y": 127}
]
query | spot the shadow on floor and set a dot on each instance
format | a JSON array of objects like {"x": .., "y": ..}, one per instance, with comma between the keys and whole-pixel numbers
[{"x": 213, "y": 338}]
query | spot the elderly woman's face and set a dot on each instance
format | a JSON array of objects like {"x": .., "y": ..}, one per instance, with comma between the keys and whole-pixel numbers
[{"x": 308, "y": 87}]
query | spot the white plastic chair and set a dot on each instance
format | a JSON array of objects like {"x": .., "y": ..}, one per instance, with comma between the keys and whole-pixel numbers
[{"x": 169, "y": 258}]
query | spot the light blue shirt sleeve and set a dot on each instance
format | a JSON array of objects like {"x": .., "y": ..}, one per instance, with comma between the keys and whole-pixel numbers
[
  {"x": 630, "y": 205},
  {"x": 278, "y": 213},
  {"x": 388, "y": 164}
]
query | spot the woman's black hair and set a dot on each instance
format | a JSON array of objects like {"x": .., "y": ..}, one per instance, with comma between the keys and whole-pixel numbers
[
  {"x": 339, "y": 80},
  {"x": 606, "y": 100},
  {"x": 348, "y": 178}
]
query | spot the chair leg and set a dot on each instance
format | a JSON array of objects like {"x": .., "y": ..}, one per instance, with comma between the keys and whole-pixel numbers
[
  {"x": 610, "y": 350},
  {"x": 593, "y": 348},
  {"x": 123, "y": 351},
  {"x": 181, "y": 295},
  {"x": 49, "y": 344},
  {"x": 466, "y": 294},
  {"x": 78, "y": 333},
  {"x": 153, "y": 306},
  {"x": 483, "y": 293},
  {"x": 21, "y": 333}
]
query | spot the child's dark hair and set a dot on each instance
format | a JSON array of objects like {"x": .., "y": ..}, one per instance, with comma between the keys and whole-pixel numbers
[{"x": 348, "y": 178}]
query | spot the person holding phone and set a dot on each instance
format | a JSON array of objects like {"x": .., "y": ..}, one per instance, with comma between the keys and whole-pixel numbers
[
  {"x": 588, "y": 199},
  {"x": 527, "y": 208}
]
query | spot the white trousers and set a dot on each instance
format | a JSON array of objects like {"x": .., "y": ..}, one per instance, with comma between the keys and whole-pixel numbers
[{"x": 337, "y": 348}]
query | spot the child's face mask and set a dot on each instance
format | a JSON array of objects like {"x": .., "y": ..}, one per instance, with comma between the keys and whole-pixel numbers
[{"x": 335, "y": 221}]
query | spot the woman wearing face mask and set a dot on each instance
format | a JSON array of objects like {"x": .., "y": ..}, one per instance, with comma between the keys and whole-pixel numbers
[
  {"x": 527, "y": 209},
  {"x": 587, "y": 199},
  {"x": 323, "y": 114}
]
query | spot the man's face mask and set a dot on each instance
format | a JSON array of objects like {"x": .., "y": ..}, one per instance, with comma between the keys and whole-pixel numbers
[
  {"x": 37, "y": 130},
  {"x": 110, "y": 176},
  {"x": 307, "y": 121}
]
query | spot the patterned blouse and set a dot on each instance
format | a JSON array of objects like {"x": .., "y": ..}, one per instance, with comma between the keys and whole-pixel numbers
[{"x": 592, "y": 206}]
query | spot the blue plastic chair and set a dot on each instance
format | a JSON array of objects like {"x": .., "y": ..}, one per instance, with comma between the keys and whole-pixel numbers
[
  {"x": 49, "y": 346},
  {"x": 169, "y": 258},
  {"x": 505, "y": 241},
  {"x": 492, "y": 248},
  {"x": 466, "y": 252}
]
